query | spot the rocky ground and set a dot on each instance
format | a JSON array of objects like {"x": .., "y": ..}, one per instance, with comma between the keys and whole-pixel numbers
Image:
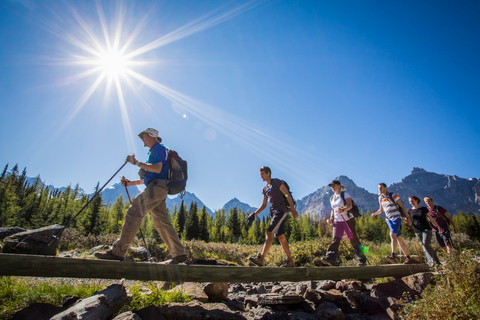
[{"x": 271, "y": 300}]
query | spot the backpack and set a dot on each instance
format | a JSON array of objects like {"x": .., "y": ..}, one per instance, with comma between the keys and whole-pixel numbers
[
  {"x": 354, "y": 211},
  {"x": 177, "y": 173},
  {"x": 287, "y": 205},
  {"x": 390, "y": 195}
]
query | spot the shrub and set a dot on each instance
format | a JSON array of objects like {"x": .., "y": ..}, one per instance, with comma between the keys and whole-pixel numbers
[{"x": 456, "y": 294}]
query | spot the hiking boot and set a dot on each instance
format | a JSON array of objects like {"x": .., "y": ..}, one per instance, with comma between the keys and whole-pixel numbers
[
  {"x": 408, "y": 261},
  {"x": 175, "y": 260},
  {"x": 259, "y": 260},
  {"x": 289, "y": 263},
  {"x": 391, "y": 259},
  {"x": 327, "y": 262},
  {"x": 108, "y": 255}
]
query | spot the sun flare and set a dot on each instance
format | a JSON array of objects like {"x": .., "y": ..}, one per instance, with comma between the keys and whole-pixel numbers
[{"x": 112, "y": 63}]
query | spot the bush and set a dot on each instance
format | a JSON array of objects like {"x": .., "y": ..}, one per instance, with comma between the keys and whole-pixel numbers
[{"x": 456, "y": 294}]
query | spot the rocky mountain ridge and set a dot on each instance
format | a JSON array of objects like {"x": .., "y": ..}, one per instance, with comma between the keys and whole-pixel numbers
[{"x": 452, "y": 192}]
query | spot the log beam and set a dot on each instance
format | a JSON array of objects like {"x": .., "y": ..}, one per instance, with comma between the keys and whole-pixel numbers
[{"x": 48, "y": 266}]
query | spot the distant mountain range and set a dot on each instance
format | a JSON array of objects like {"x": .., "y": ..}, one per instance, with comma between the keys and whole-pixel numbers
[{"x": 451, "y": 192}]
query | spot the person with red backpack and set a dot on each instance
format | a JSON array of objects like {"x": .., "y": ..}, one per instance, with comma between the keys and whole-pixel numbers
[
  {"x": 343, "y": 221},
  {"x": 276, "y": 191},
  {"x": 443, "y": 219}
]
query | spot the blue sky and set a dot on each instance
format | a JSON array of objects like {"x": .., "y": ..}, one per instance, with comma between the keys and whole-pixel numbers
[{"x": 313, "y": 89}]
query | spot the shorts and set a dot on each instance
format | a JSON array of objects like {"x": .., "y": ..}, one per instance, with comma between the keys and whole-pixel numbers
[
  {"x": 443, "y": 239},
  {"x": 395, "y": 225},
  {"x": 277, "y": 224}
]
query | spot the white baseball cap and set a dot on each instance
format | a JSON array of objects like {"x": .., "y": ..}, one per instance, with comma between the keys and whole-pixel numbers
[{"x": 151, "y": 132}]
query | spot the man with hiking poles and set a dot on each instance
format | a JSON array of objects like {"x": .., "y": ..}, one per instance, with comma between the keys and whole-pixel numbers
[
  {"x": 343, "y": 222},
  {"x": 152, "y": 200}
]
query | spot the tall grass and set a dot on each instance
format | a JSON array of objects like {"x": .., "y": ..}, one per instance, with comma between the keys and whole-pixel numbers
[
  {"x": 456, "y": 294},
  {"x": 17, "y": 293}
]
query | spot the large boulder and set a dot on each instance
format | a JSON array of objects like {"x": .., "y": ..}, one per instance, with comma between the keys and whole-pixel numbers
[
  {"x": 216, "y": 291},
  {"x": 43, "y": 241},
  {"x": 8, "y": 231}
]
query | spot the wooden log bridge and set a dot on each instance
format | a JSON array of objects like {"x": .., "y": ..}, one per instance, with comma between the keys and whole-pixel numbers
[{"x": 48, "y": 266}]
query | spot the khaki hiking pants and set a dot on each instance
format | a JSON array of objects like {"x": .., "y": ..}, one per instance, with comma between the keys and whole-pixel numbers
[{"x": 152, "y": 200}]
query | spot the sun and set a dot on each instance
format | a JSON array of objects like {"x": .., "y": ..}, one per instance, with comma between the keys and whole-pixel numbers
[{"x": 112, "y": 63}]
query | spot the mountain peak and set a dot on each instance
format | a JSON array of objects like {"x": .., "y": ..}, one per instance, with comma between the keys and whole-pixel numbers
[{"x": 417, "y": 170}]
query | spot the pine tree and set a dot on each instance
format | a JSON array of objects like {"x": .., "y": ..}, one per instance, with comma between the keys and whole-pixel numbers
[
  {"x": 91, "y": 220},
  {"x": 233, "y": 224},
  {"x": 192, "y": 226},
  {"x": 116, "y": 216},
  {"x": 181, "y": 218},
  {"x": 204, "y": 224}
]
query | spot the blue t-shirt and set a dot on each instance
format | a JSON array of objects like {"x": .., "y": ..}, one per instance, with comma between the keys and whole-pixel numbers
[{"x": 158, "y": 153}]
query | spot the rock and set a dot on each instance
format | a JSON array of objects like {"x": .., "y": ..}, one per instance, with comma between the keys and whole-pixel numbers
[
  {"x": 150, "y": 313},
  {"x": 333, "y": 294},
  {"x": 194, "y": 310},
  {"x": 235, "y": 304},
  {"x": 301, "y": 289},
  {"x": 102, "y": 305},
  {"x": 295, "y": 315},
  {"x": 165, "y": 285},
  {"x": 372, "y": 305},
  {"x": 277, "y": 289},
  {"x": 8, "y": 231},
  {"x": 418, "y": 282},
  {"x": 43, "y": 241},
  {"x": 394, "y": 303},
  {"x": 395, "y": 288},
  {"x": 251, "y": 301},
  {"x": 329, "y": 311},
  {"x": 98, "y": 248},
  {"x": 261, "y": 289},
  {"x": 276, "y": 299},
  {"x": 37, "y": 311},
  {"x": 350, "y": 285},
  {"x": 313, "y": 296},
  {"x": 351, "y": 296},
  {"x": 216, "y": 291},
  {"x": 192, "y": 290},
  {"x": 139, "y": 253},
  {"x": 129, "y": 315},
  {"x": 327, "y": 285}
]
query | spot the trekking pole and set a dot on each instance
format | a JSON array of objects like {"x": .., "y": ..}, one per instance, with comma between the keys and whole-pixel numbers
[
  {"x": 130, "y": 200},
  {"x": 94, "y": 196},
  {"x": 355, "y": 235},
  {"x": 470, "y": 208}
]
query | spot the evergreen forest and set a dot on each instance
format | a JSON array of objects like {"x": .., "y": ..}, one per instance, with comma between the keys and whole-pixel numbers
[{"x": 33, "y": 205}]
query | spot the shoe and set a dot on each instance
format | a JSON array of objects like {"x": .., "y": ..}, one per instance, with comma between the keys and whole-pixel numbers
[
  {"x": 327, "y": 262},
  {"x": 361, "y": 264},
  {"x": 175, "y": 260},
  {"x": 108, "y": 255},
  {"x": 408, "y": 261},
  {"x": 259, "y": 260},
  {"x": 391, "y": 258},
  {"x": 289, "y": 263}
]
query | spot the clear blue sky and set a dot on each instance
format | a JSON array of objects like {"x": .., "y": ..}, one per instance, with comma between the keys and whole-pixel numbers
[{"x": 313, "y": 89}]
